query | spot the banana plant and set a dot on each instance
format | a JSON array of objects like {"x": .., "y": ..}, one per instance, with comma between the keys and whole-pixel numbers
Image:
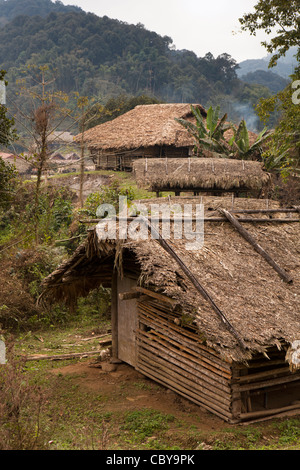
[
  {"x": 240, "y": 142},
  {"x": 209, "y": 134}
]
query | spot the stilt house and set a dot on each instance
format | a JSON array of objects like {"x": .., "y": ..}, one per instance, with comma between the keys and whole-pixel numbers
[
  {"x": 145, "y": 131},
  {"x": 219, "y": 325}
]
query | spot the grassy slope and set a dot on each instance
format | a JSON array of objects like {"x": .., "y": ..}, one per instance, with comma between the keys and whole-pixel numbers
[{"x": 90, "y": 409}]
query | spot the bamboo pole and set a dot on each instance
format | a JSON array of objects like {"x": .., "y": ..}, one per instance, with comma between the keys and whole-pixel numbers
[
  {"x": 192, "y": 219},
  {"x": 246, "y": 235}
]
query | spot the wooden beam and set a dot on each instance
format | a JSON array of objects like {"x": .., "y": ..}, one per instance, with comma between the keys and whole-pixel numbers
[
  {"x": 263, "y": 211},
  {"x": 246, "y": 235},
  {"x": 129, "y": 295},
  {"x": 271, "y": 412},
  {"x": 161, "y": 297},
  {"x": 259, "y": 220}
]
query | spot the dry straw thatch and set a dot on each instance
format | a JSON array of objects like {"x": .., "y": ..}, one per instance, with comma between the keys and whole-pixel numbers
[
  {"x": 144, "y": 126},
  {"x": 147, "y": 126},
  {"x": 262, "y": 308},
  {"x": 200, "y": 173}
]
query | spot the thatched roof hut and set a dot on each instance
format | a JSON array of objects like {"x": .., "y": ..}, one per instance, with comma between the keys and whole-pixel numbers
[
  {"x": 178, "y": 337},
  {"x": 200, "y": 174},
  {"x": 145, "y": 131},
  {"x": 144, "y": 126}
]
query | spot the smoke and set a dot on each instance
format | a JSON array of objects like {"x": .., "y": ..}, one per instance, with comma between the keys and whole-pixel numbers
[{"x": 245, "y": 111}]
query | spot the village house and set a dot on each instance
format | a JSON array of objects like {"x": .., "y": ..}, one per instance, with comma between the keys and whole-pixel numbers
[
  {"x": 220, "y": 324},
  {"x": 146, "y": 131}
]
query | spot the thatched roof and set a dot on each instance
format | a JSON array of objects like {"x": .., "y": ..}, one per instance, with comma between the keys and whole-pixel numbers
[
  {"x": 143, "y": 126},
  {"x": 226, "y": 174},
  {"x": 262, "y": 308}
]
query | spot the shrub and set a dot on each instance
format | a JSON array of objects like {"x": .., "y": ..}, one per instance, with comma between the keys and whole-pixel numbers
[{"x": 21, "y": 405}]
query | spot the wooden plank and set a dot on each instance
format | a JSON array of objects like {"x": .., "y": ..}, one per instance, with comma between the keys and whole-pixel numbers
[
  {"x": 61, "y": 357},
  {"x": 247, "y": 236},
  {"x": 129, "y": 295},
  {"x": 161, "y": 297},
  {"x": 271, "y": 412},
  {"x": 207, "y": 219},
  {"x": 170, "y": 384},
  {"x": 263, "y": 211},
  {"x": 261, "y": 375},
  {"x": 183, "y": 345},
  {"x": 269, "y": 383},
  {"x": 171, "y": 354},
  {"x": 187, "y": 380},
  {"x": 127, "y": 322}
]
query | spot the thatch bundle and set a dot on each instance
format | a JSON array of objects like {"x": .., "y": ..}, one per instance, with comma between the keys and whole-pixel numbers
[
  {"x": 258, "y": 303},
  {"x": 200, "y": 173}
]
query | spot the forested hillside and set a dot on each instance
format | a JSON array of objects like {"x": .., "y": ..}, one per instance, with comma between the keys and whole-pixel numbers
[
  {"x": 9, "y": 9},
  {"x": 105, "y": 58}
]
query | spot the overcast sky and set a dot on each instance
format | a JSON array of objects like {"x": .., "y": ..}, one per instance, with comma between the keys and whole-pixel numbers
[{"x": 200, "y": 26}]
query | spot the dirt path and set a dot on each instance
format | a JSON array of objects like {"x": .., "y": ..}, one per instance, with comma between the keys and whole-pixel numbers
[{"x": 128, "y": 390}]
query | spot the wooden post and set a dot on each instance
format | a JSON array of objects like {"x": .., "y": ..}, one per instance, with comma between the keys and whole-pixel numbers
[
  {"x": 114, "y": 314},
  {"x": 282, "y": 273}
]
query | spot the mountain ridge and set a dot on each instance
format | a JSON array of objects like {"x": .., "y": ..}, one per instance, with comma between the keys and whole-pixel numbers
[{"x": 104, "y": 58}]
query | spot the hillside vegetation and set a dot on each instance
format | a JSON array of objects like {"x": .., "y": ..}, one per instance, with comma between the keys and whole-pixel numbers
[{"x": 104, "y": 58}]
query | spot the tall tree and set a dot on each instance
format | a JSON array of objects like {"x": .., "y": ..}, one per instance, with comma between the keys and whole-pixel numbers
[
  {"x": 282, "y": 15},
  {"x": 283, "y": 148},
  {"x": 46, "y": 116}
]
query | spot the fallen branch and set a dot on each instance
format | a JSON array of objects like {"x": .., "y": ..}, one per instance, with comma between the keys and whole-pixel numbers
[{"x": 61, "y": 357}]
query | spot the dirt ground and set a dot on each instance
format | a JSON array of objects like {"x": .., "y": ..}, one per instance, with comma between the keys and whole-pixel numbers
[
  {"x": 141, "y": 392},
  {"x": 92, "y": 183}
]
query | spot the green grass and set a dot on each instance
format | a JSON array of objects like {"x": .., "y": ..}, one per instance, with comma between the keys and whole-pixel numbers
[{"x": 76, "y": 417}]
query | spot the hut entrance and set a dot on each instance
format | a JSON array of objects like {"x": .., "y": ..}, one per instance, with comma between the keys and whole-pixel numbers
[{"x": 127, "y": 323}]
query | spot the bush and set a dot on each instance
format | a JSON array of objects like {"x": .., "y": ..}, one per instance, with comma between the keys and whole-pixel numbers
[
  {"x": 108, "y": 195},
  {"x": 21, "y": 405}
]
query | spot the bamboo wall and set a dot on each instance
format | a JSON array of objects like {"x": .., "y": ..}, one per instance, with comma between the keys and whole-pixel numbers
[
  {"x": 175, "y": 356},
  {"x": 124, "y": 160},
  {"x": 266, "y": 387}
]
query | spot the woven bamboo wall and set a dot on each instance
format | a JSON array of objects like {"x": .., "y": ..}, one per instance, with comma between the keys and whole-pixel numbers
[
  {"x": 175, "y": 357},
  {"x": 124, "y": 160}
]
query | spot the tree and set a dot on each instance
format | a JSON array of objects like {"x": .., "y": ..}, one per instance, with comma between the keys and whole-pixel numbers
[
  {"x": 281, "y": 14},
  {"x": 8, "y": 176},
  {"x": 283, "y": 151},
  {"x": 46, "y": 116}
]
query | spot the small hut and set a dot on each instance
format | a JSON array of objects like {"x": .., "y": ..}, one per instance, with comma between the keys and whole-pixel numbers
[
  {"x": 201, "y": 175},
  {"x": 219, "y": 325},
  {"x": 145, "y": 131}
]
